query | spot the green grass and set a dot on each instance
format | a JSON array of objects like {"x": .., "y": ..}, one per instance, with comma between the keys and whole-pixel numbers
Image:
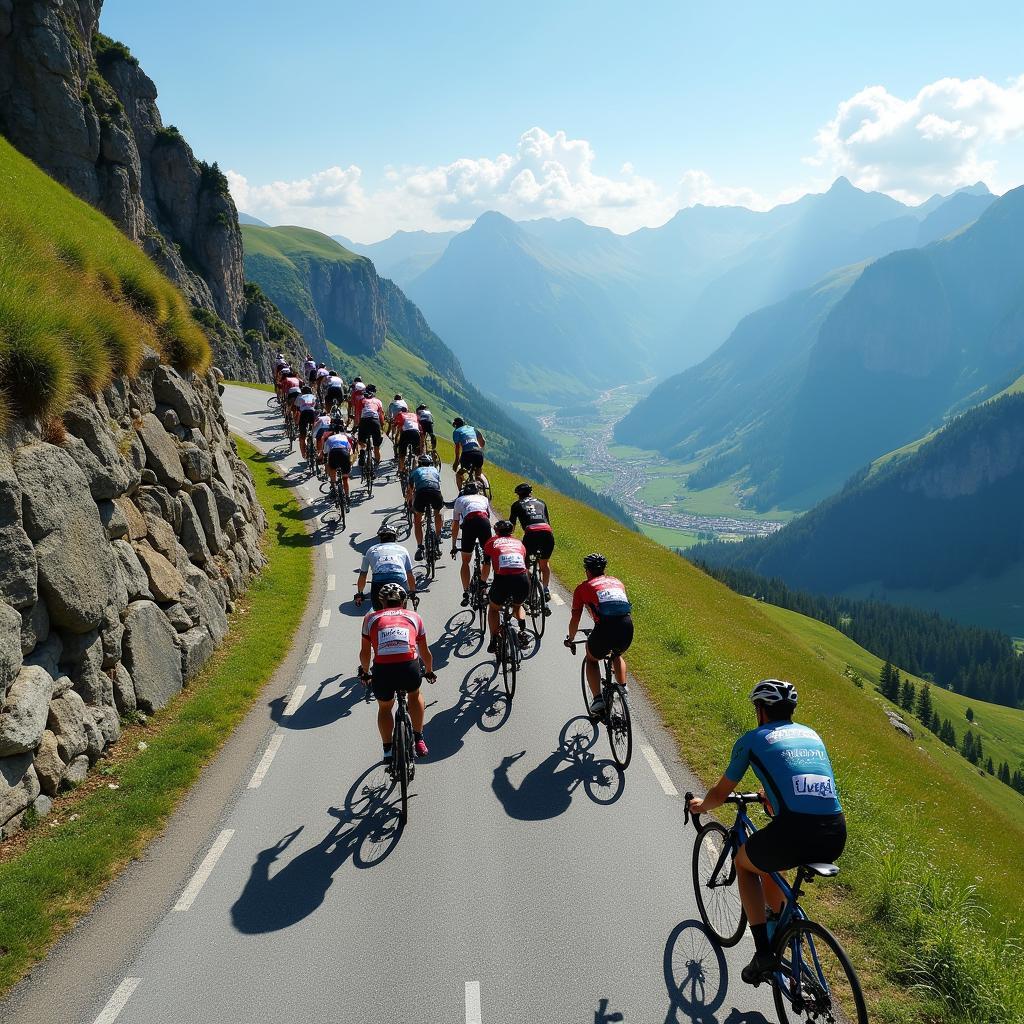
[
  {"x": 78, "y": 300},
  {"x": 256, "y": 386},
  {"x": 668, "y": 537},
  {"x": 287, "y": 243},
  {"x": 698, "y": 650},
  {"x": 62, "y": 870}
]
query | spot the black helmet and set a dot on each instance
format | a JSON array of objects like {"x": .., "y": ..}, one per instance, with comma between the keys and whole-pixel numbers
[
  {"x": 320, "y": 366},
  {"x": 524, "y": 489},
  {"x": 337, "y": 423},
  {"x": 387, "y": 533},
  {"x": 503, "y": 528},
  {"x": 392, "y": 594},
  {"x": 398, "y": 398},
  {"x": 425, "y": 460},
  {"x": 774, "y": 691},
  {"x": 357, "y": 379},
  {"x": 420, "y": 408},
  {"x": 458, "y": 422},
  {"x": 371, "y": 389},
  {"x": 470, "y": 487},
  {"x": 306, "y": 389},
  {"x": 595, "y": 563}
]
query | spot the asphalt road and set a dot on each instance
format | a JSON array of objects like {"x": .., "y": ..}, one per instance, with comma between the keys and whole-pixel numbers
[{"x": 534, "y": 882}]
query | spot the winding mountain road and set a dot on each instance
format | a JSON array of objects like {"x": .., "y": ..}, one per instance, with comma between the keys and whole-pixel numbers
[{"x": 533, "y": 884}]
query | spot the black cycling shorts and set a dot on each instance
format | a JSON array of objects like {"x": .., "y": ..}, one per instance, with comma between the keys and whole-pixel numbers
[
  {"x": 510, "y": 587},
  {"x": 540, "y": 543},
  {"x": 306, "y": 418},
  {"x": 340, "y": 460},
  {"x": 398, "y": 675},
  {"x": 478, "y": 528},
  {"x": 334, "y": 396},
  {"x": 409, "y": 441},
  {"x": 611, "y": 635},
  {"x": 428, "y": 430},
  {"x": 472, "y": 460},
  {"x": 369, "y": 430},
  {"x": 794, "y": 839},
  {"x": 428, "y": 498}
]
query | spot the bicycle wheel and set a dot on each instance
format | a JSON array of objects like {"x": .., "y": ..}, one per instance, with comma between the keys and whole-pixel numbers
[
  {"x": 714, "y": 883},
  {"x": 537, "y": 616},
  {"x": 817, "y": 981},
  {"x": 481, "y": 607},
  {"x": 402, "y": 747},
  {"x": 508, "y": 672},
  {"x": 431, "y": 550},
  {"x": 620, "y": 727},
  {"x": 585, "y": 687}
]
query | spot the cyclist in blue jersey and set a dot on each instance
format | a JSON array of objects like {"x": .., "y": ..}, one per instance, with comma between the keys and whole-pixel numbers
[
  {"x": 799, "y": 788},
  {"x": 424, "y": 494},
  {"x": 469, "y": 450}
]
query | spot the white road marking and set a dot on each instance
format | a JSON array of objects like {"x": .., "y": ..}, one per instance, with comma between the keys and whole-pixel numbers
[
  {"x": 264, "y": 766},
  {"x": 113, "y": 1009},
  {"x": 203, "y": 872},
  {"x": 314, "y": 655},
  {"x": 328, "y": 551},
  {"x": 332, "y": 582},
  {"x": 555, "y": 599},
  {"x": 294, "y": 701},
  {"x": 473, "y": 1002},
  {"x": 325, "y": 618},
  {"x": 659, "y": 769}
]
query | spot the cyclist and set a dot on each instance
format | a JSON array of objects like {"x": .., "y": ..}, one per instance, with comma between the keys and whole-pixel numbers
[
  {"x": 319, "y": 379},
  {"x": 371, "y": 423},
  {"x": 426, "y": 418},
  {"x": 398, "y": 404},
  {"x": 304, "y": 410},
  {"x": 405, "y": 431},
  {"x": 355, "y": 399},
  {"x": 279, "y": 362},
  {"x": 308, "y": 368},
  {"x": 605, "y": 598},
  {"x": 389, "y": 562},
  {"x": 808, "y": 825},
  {"x": 337, "y": 452},
  {"x": 471, "y": 514},
  {"x": 469, "y": 449},
  {"x": 424, "y": 494},
  {"x": 538, "y": 536},
  {"x": 321, "y": 428},
  {"x": 334, "y": 390},
  {"x": 288, "y": 384},
  {"x": 397, "y": 641},
  {"x": 511, "y": 579}
]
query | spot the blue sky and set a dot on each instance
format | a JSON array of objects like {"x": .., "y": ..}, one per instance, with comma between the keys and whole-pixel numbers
[{"x": 363, "y": 118}]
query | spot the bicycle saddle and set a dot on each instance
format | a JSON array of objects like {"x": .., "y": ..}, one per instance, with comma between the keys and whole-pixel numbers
[{"x": 824, "y": 870}]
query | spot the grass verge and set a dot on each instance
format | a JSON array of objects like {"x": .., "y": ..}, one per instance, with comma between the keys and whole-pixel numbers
[{"x": 65, "y": 861}]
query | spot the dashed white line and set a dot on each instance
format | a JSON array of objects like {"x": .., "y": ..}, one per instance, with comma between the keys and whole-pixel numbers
[
  {"x": 314, "y": 655},
  {"x": 121, "y": 995},
  {"x": 555, "y": 599},
  {"x": 325, "y": 618},
  {"x": 332, "y": 582},
  {"x": 659, "y": 769},
  {"x": 328, "y": 551},
  {"x": 473, "y": 1015},
  {"x": 264, "y": 766},
  {"x": 188, "y": 897},
  {"x": 294, "y": 701}
]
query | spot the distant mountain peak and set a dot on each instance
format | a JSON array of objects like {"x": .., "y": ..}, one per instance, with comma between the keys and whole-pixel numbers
[
  {"x": 979, "y": 188},
  {"x": 843, "y": 184}
]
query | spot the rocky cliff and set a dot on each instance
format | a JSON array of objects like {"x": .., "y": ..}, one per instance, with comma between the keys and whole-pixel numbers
[
  {"x": 80, "y": 106},
  {"x": 122, "y": 546}
]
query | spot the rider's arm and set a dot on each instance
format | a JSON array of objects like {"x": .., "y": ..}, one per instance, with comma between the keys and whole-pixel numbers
[
  {"x": 364, "y": 654},
  {"x": 715, "y": 796},
  {"x": 458, "y": 456},
  {"x": 410, "y": 580},
  {"x": 428, "y": 658},
  {"x": 480, "y": 438},
  {"x": 574, "y": 621}
]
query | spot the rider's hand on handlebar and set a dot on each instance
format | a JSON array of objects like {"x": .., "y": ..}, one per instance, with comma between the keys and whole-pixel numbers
[
  {"x": 453, "y": 553},
  {"x": 431, "y": 677},
  {"x": 358, "y": 598},
  {"x": 696, "y": 805}
]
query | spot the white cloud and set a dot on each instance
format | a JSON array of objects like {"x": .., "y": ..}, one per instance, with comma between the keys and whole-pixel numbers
[
  {"x": 698, "y": 187},
  {"x": 334, "y": 189},
  {"x": 944, "y": 137}
]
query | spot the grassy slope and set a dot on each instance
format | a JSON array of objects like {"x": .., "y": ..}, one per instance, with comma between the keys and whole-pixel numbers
[
  {"x": 699, "y": 648},
  {"x": 78, "y": 300},
  {"x": 288, "y": 243},
  {"x": 63, "y": 869}
]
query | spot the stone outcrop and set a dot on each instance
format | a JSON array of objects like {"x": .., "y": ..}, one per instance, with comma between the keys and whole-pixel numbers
[
  {"x": 130, "y": 546},
  {"x": 79, "y": 105}
]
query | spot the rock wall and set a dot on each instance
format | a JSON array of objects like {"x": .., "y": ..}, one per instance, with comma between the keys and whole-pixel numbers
[
  {"x": 80, "y": 106},
  {"x": 121, "y": 550}
]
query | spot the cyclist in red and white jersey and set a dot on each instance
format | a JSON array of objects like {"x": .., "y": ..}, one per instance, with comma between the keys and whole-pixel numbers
[{"x": 507, "y": 555}]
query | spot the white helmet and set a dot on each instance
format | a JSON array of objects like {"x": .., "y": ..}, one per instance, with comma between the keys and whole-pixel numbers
[
  {"x": 774, "y": 691},
  {"x": 359, "y": 386}
]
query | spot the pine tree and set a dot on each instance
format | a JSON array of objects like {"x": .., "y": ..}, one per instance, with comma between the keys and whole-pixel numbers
[
  {"x": 968, "y": 748},
  {"x": 908, "y": 696},
  {"x": 935, "y": 725},
  {"x": 1004, "y": 773},
  {"x": 924, "y": 704},
  {"x": 885, "y": 679},
  {"x": 895, "y": 686},
  {"x": 948, "y": 734},
  {"x": 1017, "y": 781},
  {"x": 989, "y": 766},
  {"x": 979, "y": 750},
  {"x": 969, "y": 713}
]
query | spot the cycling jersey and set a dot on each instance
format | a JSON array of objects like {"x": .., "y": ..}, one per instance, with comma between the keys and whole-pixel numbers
[
  {"x": 371, "y": 409},
  {"x": 305, "y": 403},
  {"x": 407, "y": 421},
  {"x": 791, "y": 763},
  {"x": 293, "y": 393},
  {"x": 393, "y": 634},
  {"x": 466, "y": 436},
  {"x": 308, "y": 366},
  {"x": 320, "y": 424},
  {"x": 603, "y": 596},
  {"x": 322, "y": 373},
  {"x": 338, "y": 442},
  {"x": 389, "y": 563},
  {"x": 290, "y": 382},
  {"x": 425, "y": 478},
  {"x": 395, "y": 408},
  {"x": 507, "y": 555},
  {"x": 334, "y": 381},
  {"x": 532, "y": 513},
  {"x": 426, "y": 418},
  {"x": 471, "y": 506}
]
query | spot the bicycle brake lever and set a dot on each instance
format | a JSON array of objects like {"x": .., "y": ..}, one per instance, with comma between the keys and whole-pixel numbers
[{"x": 687, "y": 797}]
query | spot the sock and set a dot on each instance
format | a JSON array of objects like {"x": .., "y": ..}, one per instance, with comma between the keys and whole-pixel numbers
[
  {"x": 387, "y": 748},
  {"x": 417, "y": 735},
  {"x": 760, "y": 933}
]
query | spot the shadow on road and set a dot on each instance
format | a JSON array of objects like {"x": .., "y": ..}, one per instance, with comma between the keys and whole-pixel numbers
[
  {"x": 547, "y": 790},
  {"x": 482, "y": 705},
  {"x": 366, "y": 832},
  {"x": 697, "y": 979},
  {"x": 318, "y": 710}
]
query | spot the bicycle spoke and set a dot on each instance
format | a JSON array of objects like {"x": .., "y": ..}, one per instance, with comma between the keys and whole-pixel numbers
[{"x": 714, "y": 884}]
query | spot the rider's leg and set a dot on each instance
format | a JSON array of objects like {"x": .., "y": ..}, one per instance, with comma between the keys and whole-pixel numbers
[
  {"x": 464, "y": 571},
  {"x": 438, "y": 524},
  {"x": 344, "y": 484},
  {"x": 418, "y": 528},
  {"x": 519, "y": 615},
  {"x": 386, "y": 720},
  {"x": 417, "y": 709},
  {"x": 545, "y": 572},
  {"x": 619, "y": 669},
  {"x": 493, "y": 617},
  {"x": 593, "y": 674}
]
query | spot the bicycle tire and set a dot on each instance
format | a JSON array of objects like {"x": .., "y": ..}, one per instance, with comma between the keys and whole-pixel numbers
[
  {"x": 718, "y": 912},
  {"x": 852, "y": 1010},
  {"x": 430, "y": 544},
  {"x": 508, "y": 673},
  {"x": 537, "y": 616},
  {"x": 402, "y": 746},
  {"x": 585, "y": 687},
  {"x": 620, "y": 727},
  {"x": 481, "y": 607}
]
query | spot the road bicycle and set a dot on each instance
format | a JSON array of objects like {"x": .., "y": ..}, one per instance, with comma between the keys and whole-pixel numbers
[
  {"x": 815, "y": 980},
  {"x": 431, "y": 544},
  {"x": 477, "y": 477},
  {"x": 616, "y": 718},
  {"x": 340, "y": 500},
  {"x": 312, "y": 463},
  {"x": 478, "y": 589},
  {"x": 537, "y": 603},
  {"x": 369, "y": 469},
  {"x": 507, "y": 652},
  {"x": 289, "y": 428}
]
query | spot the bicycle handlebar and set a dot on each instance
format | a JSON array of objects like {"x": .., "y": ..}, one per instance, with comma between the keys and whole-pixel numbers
[{"x": 739, "y": 799}]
